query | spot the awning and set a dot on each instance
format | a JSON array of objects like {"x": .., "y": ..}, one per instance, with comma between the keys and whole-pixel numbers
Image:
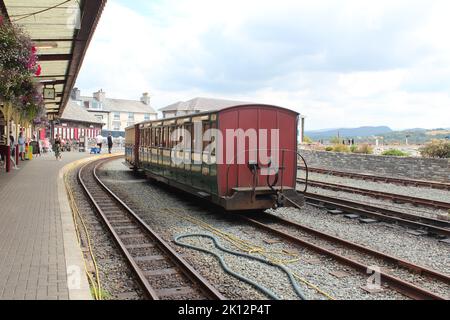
[{"x": 61, "y": 31}]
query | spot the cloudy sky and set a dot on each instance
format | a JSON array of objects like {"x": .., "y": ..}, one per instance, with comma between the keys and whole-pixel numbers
[{"x": 342, "y": 63}]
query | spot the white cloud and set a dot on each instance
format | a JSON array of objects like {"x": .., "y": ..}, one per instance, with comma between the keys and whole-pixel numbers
[{"x": 342, "y": 63}]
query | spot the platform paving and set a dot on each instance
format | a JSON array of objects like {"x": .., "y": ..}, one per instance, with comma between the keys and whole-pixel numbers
[{"x": 36, "y": 232}]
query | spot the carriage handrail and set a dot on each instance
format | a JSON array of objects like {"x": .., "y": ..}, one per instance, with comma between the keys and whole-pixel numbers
[{"x": 283, "y": 150}]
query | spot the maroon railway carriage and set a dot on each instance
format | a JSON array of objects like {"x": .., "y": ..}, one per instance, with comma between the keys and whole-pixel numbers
[{"x": 239, "y": 167}]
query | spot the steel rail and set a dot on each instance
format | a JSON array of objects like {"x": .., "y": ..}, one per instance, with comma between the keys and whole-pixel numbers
[
  {"x": 400, "y": 262},
  {"x": 370, "y": 177},
  {"x": 379, "y": 194},
  {"x": 188, "y": 271},
  {"x": 434, "y": 226},
  {"x": 408, "y": 289}
]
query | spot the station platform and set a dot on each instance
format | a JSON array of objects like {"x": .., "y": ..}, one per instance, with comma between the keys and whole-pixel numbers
[{"x": 39, "y": 255}]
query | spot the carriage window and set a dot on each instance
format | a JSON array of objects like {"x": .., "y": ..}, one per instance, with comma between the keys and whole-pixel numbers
[
  {"x": 152, "y": 141},
  {"x": 147, "y": 137},
  {"x": 166, "y": 137},
  {"x": 189, "y": 129},
  {"x": 152, "y": 134},
  {"x": 206, "y": 127},
  {"x": 171, "y": 143},
  {"x": 159, "y": 130}
]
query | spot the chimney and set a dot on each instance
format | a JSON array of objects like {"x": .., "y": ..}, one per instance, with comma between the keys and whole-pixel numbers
[
  {"x": 145, "y": 98},
  {"x": 100, "y": 95},
  {"x": 76, "y": 93}
]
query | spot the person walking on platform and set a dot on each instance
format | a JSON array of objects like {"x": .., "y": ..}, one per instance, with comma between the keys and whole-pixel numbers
[
  {"x": 99, "y": 140},
  {"x": 12, "y": 144},
  {"x": 57, "y": 147},
  {"x": 21, "y": 142},
  {"x": 110, "y": 143}
]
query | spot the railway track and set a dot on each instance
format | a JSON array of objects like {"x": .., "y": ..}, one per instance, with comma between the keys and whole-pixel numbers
[
  {"x": 358, "y": 257},
  {"x": 397, "y": 198},
  {"x": 430, "y": 225},
  {"x": 369, "y": 177},
  {"x": 162, "y": 273}
]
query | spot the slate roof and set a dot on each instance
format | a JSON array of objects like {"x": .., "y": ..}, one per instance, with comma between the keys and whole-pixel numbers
[
  {"x": 203, "y": 104},
  {"x": 122, "y": 105},
  {"x": 75, "y": 112}
]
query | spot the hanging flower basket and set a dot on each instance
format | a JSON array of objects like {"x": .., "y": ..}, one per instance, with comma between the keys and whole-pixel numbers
[{"x": 18, "y": 68}]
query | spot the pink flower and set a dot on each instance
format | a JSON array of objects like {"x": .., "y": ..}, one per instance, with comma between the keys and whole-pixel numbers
[{"x": 38, "y": 71}]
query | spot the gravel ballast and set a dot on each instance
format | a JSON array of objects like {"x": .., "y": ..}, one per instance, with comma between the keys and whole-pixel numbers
[
  {"x": 160, "y": 208},
  {"x": 115, "y": 277},
  {"x": 419, "y": 192}
]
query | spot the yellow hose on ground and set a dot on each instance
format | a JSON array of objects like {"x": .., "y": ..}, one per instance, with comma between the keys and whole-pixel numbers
[{"x": 96, "y": 285}]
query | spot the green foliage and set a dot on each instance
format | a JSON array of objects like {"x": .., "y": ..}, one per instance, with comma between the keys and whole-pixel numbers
[
  {"x": 341, "y": 148},
  {"x": 307, "y": 139},
  {"x": 335, "y": 140},
  {"x": 329, "y": 149},
  {"x": 18, "y": 68},
  {"x": 395, "y": 153},
  {"x": 354, "y": 148},
  {"x": 105, "y": 295},
  {"x": 436, "y": 149},
  {"x": 364, "y": 149}
]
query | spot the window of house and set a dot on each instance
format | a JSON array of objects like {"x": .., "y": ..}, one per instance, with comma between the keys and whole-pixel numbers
[
  {"x": 116, "y": 126},
  {"x": 131, "y": 116},
  {"x": 116, "y": 115},
  {"x": 95, "y": 105},
  {"x": 147, "y": 117}
]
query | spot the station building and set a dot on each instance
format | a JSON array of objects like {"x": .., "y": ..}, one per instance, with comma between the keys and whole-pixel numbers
[
  {"x": 115, "y": 114},
  {"x": 76, "y": 122},
  {"x": 197, "y": 105}
]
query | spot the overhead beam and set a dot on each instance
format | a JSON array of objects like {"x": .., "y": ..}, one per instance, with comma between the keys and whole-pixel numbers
[
  {"x": 54, "y": 57},
  {"x": 52, "y": 40},
  {"x": 51, "y": 77},
  {"x": 53, "y": 83}
]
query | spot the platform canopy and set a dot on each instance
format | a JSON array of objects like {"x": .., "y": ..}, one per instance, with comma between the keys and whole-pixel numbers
[{"x": 61, "y": 31}]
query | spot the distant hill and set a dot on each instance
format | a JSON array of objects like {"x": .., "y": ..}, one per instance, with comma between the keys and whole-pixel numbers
[
  {"x": 348, "y": 132},
  {"x": 366, "y": 134},
  {"x": 416, "y": 136}
]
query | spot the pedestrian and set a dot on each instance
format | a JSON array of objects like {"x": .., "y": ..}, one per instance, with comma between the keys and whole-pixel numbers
[
  {"x": 12, "y": 144},
  {"x": 57, "y": 147},
  {"x": 36, "y": 148},
  {"x": 99, "y": 140},
  {"x": 110, "y": 143},
  {"x": 21, "y": 143}
]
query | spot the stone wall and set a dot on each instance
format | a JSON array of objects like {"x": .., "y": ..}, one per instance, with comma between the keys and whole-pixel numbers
[{"x": 411, "y": 168}]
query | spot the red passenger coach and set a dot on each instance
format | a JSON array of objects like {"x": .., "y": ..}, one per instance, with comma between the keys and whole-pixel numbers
[{"x": 241, "y": 158}]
